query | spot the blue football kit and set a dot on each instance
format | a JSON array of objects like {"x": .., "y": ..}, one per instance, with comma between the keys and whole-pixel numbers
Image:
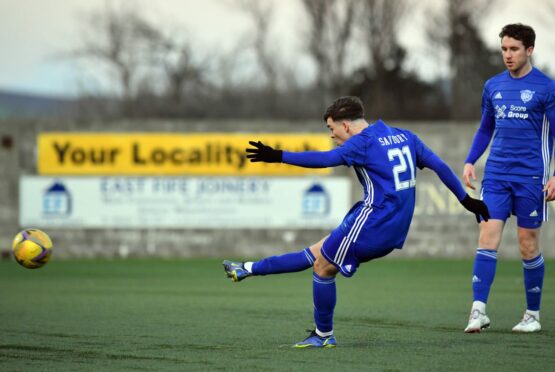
[
  {"x": 518, "y": 117},
  {"x": 385, "y": 160}
]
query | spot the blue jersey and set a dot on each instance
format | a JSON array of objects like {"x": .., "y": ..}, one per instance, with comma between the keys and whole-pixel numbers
[
  {"x": 385, "y": 160},
  {"x": 519, "y": 113}
]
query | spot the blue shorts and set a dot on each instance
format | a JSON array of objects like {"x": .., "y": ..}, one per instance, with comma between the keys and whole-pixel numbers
[
  {"x": 347, "y": 246},
  {"x": 524, "y": 200}
]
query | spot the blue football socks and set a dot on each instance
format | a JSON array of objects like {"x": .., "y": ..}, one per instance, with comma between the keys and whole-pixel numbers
[
  {"x": 533, "y": 281},
  {"x": 324, "y": 296},
  {"x": 287, "y": 263},
  {"x": 483, "y": 273}
]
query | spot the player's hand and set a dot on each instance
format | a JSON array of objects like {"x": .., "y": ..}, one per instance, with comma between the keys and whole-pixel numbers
[
  {"x": 468, "y": 173},
  {"x": 549, "y": 189},
  {"x": 478, "y": 207},
  {"x": 264, "y": 153}
]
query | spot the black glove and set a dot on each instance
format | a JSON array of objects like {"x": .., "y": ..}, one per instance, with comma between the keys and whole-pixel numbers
[
  {"x": 478, "y": 207},
  {"x": 264, "y": 153}
]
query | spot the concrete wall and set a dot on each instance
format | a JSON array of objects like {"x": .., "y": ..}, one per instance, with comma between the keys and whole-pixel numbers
[{"x": 441, "y": 228}]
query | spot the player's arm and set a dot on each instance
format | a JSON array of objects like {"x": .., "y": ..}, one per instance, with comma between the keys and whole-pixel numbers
[
  {"x": 427, "y": 159},
  {"x": 549, "y": 187},
  {"x": 481, "y": 139},
  {"x": 306, "y": 159}
]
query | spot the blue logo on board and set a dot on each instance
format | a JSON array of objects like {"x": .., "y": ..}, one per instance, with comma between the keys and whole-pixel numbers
[
  {"x": 56, "y": 200},
  {"x": 316, "y": 201}
]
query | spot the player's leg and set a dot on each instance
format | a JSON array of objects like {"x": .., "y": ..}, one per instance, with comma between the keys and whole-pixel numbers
[
  {"x": 483, "y": 273},
  {"x": 286, "y": 263},
  {"x": 324, "y": 299},
  {"x": 499, "y": 201},
  {"x": 323, "y": 285},
  {"x": 531, "y": 211},
  {"x": 533, "y": 270},
  {"x": 485, "y": 262},
  {"x": 339, "y": 253}
]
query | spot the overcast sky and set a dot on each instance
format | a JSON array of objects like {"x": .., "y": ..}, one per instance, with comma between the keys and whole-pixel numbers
[{"x": 35, "y": 33}]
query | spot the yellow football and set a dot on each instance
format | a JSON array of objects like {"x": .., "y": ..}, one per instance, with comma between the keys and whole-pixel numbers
[{"x": 32, "y": 248}]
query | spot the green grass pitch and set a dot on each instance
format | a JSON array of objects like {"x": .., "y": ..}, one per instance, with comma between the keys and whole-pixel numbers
[{"x": 156, "y": 315}]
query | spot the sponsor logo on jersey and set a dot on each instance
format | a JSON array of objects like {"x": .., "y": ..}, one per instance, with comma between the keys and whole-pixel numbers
[
  {"x": 500, "y": 112},
  {"x": 517, "y": 115},
  {"x": 515, "y": 112},
  {"x": 498, "y": 96},
  {"x": 526, "y": 95},
  {"x": 535, "y": 290}
]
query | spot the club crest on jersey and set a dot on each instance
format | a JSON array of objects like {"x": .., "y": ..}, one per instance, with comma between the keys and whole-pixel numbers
[
  {"x": 500, "y": 112},
  {"x": 526, "y": 95}
]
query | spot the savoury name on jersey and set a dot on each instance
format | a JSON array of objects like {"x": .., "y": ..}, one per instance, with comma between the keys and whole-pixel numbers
[{"x": 393, "y": 139}]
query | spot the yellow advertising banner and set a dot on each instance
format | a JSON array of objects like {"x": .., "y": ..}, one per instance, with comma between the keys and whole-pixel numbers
[{"x": 168, "y": 153}]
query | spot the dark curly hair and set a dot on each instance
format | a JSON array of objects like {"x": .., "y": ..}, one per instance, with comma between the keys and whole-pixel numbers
[
  {"x": 520, "y": 32},
  {"x": 349, "y": 107}
]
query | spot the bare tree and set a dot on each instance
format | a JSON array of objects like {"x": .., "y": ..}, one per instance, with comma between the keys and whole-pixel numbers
[
  {"x": 153, "y": 67},
  {"x": 381, "y": 20},
  {"x": 113, "y": 37},
  {"x": 255, "y": 70},
  {"x": 471, "y": 62},
  {"x": 330, "y": 30},
  {"x": 544, "y": 12},
  {"x": 261, "y": 14},
  {"x": 171, "y": 54}
]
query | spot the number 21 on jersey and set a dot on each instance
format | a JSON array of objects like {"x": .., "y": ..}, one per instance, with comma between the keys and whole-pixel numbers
[{"x": 402, "y": 156}]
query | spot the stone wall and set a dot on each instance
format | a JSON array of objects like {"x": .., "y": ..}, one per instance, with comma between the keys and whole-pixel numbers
[{"x": 441, "y": 228}]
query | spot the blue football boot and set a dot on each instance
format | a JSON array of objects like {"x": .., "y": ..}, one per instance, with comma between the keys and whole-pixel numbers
[
  {"x": 235, "y": 270},
  {"x": 313, "y": 340}
]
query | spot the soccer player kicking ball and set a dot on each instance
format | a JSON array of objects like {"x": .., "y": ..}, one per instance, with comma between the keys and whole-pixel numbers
[
  {"x": 518, "y": 112},
  {"x": 385, "y": 161}
]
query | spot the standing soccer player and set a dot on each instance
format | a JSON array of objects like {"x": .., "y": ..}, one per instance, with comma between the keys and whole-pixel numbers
[
  {"x": 518, "y": 112},
  {"x": 385, "y": 161}
]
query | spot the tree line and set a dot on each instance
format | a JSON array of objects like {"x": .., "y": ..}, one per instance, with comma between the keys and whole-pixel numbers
[{"x": 155, "y": 71}]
